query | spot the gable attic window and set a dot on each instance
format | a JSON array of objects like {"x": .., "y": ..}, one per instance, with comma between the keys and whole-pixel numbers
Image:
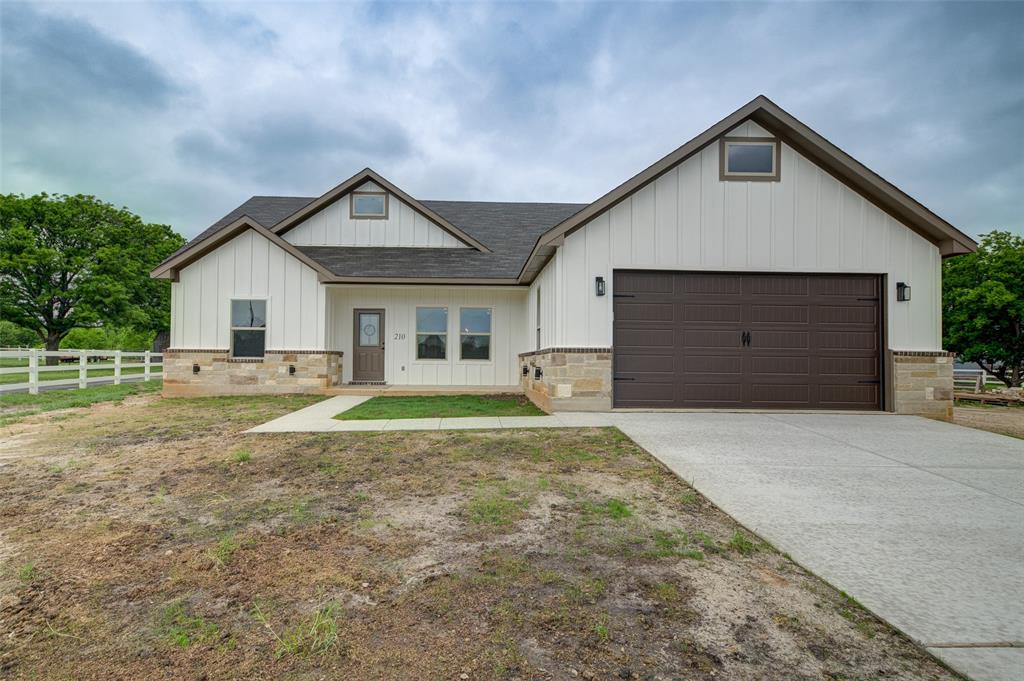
[
  {"x": 369, "y": 205},
  {"x": 749, "y": 158}
]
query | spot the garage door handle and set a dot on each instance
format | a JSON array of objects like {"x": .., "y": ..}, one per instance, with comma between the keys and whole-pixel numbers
[{"x": 745, "y": 338}]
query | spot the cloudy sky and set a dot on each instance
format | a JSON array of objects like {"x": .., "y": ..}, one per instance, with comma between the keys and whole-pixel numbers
[{"x": 181, "y": 111}]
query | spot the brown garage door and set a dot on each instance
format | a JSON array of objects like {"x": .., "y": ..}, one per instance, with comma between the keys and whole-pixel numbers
[{"x": 777, "y": 341}]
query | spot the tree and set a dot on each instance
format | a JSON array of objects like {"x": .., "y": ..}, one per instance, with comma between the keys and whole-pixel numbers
[
  {"x": 983, "y": 306},
  {"x": 70, "y": 262}
]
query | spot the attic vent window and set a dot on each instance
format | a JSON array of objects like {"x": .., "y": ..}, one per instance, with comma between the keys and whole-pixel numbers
[
  {"x": 750, "y": 158},
  {"x": 369, "y": 205}
]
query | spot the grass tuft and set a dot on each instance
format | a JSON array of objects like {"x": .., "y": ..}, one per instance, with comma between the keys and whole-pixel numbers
[
  {"x": 440, "y": 406},
  {"x": 741, "y": 544},
  {"x": 242, "y": 455},
  {"x": 181, "y": 628},
  {"x": 28, "y": 573},
  {"x": 317, "y": 635}
]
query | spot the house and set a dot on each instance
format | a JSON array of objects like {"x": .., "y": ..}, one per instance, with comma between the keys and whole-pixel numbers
[{"x": 756, "y": 266}]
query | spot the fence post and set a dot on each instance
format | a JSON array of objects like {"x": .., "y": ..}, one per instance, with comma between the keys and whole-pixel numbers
[
  {"x": 83, "y": 369},
  {"x": 33, "y": 372},
  {"x": 145, "y": 372},
  {"x": 117, "y": 367}
]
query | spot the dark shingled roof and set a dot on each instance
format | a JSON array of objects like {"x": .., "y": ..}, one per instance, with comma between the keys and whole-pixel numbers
[{"x": 510, "y": 230}]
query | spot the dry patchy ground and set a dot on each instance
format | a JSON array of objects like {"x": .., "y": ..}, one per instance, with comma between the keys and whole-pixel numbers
[
  {"x": 155, "y": 540},
  {"x": 1002, "y": 420}
]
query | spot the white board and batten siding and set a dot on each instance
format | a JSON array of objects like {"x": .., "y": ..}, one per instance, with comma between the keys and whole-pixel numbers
[
  {"x": 688, "y": 219},
  {"x": 248, "y": 266},
  {"x": 404, "y": 226},
  {"x": 399, "y": 304}
]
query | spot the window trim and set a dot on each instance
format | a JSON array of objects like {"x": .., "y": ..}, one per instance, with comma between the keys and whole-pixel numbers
[
  {"x": 489, "y": 334},
  {"x": 232, "y": 328},
  {"x": 376, "y": 216},
  {"x": 416, "y": 335},
  {"x": 723, "y": 159}
]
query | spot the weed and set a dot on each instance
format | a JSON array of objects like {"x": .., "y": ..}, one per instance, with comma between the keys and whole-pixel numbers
[
  {"x": 612, "y": 508},
  {"x": 706, "y": 541},
  {"x": 28, "y": 573},
  {"x": 741, "y": 544},
  {"x": 316, "y": 635},
  {"x": 242, "y": 455},
  {"x": 672, "y": 545},
  {"x": 601, "y": 629},
  {"x": 497, "y": 505},
  {"x": 689, "y": 499},
  {"x": 666, "y": 592},
  {"x": 587, "y": 591},
  {"x": 181, "y": 628},
  {"x": 222, "y": 552}
]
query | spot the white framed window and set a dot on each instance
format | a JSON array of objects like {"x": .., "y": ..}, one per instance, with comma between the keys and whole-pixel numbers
[
  {"x": 369, "y": 205},
  {"x": 248, "y": 327},
  {"x": 431, "y": 333},
  {"x": 475, "y": 333},
  {"x": 750, "y": 158}
]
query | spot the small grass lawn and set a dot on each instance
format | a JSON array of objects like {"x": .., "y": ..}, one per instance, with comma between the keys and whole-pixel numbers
[
  {"x": 16, "y": 406},
  {"x": 440, "y": 406}
]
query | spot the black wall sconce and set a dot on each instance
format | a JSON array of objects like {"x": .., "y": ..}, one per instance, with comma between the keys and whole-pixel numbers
[
  {"x": 526, "y": 370},
  {"x": 599, "y": 286},
  {"x": 195, "y": 368},
  {"x": 291, "y": 369},
  {"x": 537, "y": 373},
  {"x": 902, "y": 292}
]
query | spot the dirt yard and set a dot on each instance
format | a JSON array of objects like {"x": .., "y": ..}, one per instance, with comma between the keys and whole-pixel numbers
[
  {"x": 1002, "y": 420},
  {"x": 154, "y": 540}
]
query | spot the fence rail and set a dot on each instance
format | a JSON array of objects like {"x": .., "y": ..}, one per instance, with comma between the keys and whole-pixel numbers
[{"x": 151, "y": 364}]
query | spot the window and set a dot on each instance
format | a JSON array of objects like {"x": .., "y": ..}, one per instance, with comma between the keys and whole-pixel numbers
[
  {"x": 248, "y": 328},
  {"x": 475, "y": 332},
  {"x": 750, "y": 158},
  {"x": 431, "y": 332},
  {"x": 369, "y": 205}
]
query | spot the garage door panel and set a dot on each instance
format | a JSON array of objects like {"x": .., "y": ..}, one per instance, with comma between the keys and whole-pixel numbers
[
  {"x": 779, "y": 314},
  {"x": 780, "y": 340},
  {"x": 848, "y": 340},
  {"x": 710, "y": 339},
  {"x": 789, "y": 366},
  {"x": 707, "y": 312},
  {"x": 713, "y": 364},
  {"x": 632, "y": 337},
  {"x": 720, "y": 394},
  {"x": 626, "y": 363},
  {"x": 710, "y": 284},
  {"x": 644, "y": 394},
  {"x": 814, "y": 340},
  {"x": 650, "y": 312}
]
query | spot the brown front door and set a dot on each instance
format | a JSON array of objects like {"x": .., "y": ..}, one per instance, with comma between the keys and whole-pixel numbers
[
  {"x": 368, "y": 345},
  {"x": 775, "y": 341}
]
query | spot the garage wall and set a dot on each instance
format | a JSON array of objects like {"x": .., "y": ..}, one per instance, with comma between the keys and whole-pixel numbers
[
  {"x": 399, "y": 303},
  {"x": 333, "y": 226},
  {"x": 690, "y": 220},
  {"x": 248, "y": 266}
]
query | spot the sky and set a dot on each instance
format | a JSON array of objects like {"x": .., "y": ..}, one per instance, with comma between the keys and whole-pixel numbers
[{"x": 181, "y": 111}]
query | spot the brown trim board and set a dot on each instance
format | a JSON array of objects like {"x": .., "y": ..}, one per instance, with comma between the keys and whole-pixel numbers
[
  {"x": 351, "y": 183},
  {"x": 761, "y": 110}
]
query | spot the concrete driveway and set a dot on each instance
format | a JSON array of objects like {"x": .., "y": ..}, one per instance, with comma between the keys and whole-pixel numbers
[{"x": 921, "y": 521}]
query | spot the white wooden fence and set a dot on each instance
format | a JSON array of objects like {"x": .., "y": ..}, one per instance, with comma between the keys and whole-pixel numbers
[
  {"x": 972, "y": 380},
  {"x": 151, "y": 364}
]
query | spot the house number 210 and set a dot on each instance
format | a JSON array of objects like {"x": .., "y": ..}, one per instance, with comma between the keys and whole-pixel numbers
[{"x": 399, "y": 336}]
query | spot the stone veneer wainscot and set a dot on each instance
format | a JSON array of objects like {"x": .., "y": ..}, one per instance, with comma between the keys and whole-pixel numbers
[
  {"x": 572, "y": 379},
  {"x": 220, "y": 374},
  {"x": 922, "y": 383}
]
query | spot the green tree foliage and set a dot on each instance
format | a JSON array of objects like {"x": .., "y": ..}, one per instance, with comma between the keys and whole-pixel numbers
[
  {"x": 13, "y": 336},
  {"x": 109, "y": 338},
  {"x": 983, "y": 306},
  {"x": 70, "y": 262}
]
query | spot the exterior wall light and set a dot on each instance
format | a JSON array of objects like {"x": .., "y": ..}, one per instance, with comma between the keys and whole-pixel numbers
[
  {"x": 902, "y": 292},
  {"x": 537, "y": 373},
  {"x": 599, "y": 286},
  {"x": 195, "y": 367},
  {"x": 291, "y": 369},
  {"x": 526, "y": 370}
]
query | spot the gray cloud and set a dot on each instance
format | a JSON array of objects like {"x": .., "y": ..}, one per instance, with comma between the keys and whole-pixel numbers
[{"x": 183, "y": 110}]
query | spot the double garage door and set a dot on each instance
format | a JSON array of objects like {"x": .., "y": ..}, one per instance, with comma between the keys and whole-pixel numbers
[{"x": 774, "y": 341}]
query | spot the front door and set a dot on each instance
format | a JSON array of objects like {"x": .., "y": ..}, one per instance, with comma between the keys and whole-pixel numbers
[{"x": 368, "y": 345}]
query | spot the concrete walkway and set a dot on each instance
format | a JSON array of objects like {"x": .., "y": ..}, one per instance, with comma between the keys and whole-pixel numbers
[
  {"x": 319, "y": 418},
  {"x": 921, "y": 521}
]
